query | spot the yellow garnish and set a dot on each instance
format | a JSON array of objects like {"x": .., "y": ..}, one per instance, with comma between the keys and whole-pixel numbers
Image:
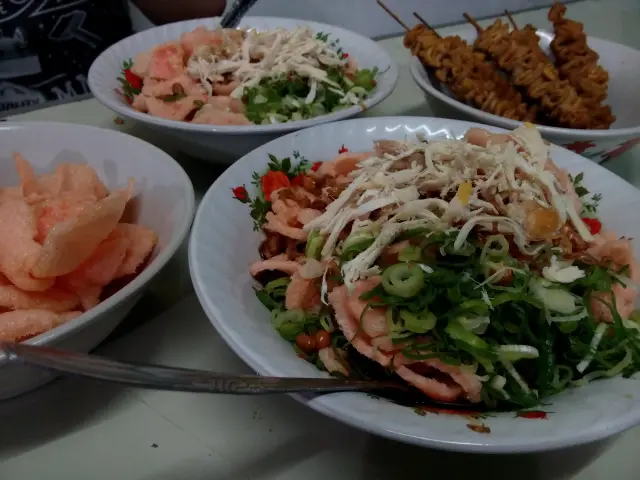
[
  {"x": 464, "y": 192},
  {"x": 529, "y": 125}
]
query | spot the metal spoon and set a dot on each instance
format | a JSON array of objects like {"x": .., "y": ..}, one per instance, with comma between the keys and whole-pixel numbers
[
  {"x": 177, "y": 379},
  {"x": 158, "y": 377},
  {"x": 232, "y": 18}
]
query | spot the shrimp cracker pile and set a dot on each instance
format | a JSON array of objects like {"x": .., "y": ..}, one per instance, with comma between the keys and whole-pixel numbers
[{"x": 61, "y": 243}]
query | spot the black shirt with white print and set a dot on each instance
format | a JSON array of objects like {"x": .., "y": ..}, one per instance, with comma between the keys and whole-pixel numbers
[{"x": 47, "y": 47}]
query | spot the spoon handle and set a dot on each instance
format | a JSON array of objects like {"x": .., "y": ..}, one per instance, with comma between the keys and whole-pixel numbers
[
  {"x": 238, "y": 10},
  {"x": 171, "y": 378}
]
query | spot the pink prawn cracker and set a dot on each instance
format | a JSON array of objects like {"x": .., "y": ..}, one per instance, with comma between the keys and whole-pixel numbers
[{"x": 61, "y": 243}]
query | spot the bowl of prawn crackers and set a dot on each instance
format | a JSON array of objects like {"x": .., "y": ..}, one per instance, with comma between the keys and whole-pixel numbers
[
  {"x": 220, "y": 92},
  {"x": 579, "y": 90},
  {"x": 477, "y": 267},
  {"x": 87, "y": 218}
]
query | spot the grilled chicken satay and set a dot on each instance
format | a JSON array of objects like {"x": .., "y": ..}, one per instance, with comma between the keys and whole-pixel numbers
[
  {"x": 528, "y": 36},
  {"x": 468, "y": 74},
  {"x": 578, "y": 63},
  {"x": 556, "y": 98}
]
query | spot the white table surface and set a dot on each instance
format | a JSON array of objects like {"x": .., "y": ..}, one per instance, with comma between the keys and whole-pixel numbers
[{"x": 76, "y": 429}]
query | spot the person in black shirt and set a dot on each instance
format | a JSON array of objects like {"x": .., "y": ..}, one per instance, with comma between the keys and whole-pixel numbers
[{"x": 47, "y": 46}]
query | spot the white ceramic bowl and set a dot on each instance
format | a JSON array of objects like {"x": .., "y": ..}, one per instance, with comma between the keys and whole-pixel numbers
[
  {"x": 623, "y": 65},
  {"x": 163, "y": 201},
  {"x": 227, "y": 143},
  {"x": 223, "y": 245}
]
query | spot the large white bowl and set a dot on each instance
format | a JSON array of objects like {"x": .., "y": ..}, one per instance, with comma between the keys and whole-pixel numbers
[
  {"x": 163, "y": 201},
  {"x": 227, "y": 143},
  {"x": 223, "y": 245},
  {"x": 623, "y": 65}
]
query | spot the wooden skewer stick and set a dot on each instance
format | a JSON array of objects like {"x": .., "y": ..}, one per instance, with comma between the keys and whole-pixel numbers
[
  {"x": 513, "y": 22},
  {"x": 424, "y": 22},
  {"x": 393, "y": 15},
  {"x": 473, "y": 22}
]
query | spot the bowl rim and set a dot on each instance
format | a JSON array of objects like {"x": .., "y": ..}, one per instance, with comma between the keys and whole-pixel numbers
[
  {"x": 154, "y": 266},
  {"x": 330, "y": 404},
  {"x": 391, "y": 73},
  {"x": 425, "y": 84}
]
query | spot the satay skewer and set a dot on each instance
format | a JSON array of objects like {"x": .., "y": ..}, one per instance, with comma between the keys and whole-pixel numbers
[
  {"x": 538, "y": 78},
  {"x": 578, "y": 63},
  {"x": 528, "y": 36},
  {"x": 511, "y": 19},
  {"x": 473, "y": 22},
  {"x": 424, "y": 22},
  {"x": 469, "y": 76},
  {"x": 393, "y": 15}
]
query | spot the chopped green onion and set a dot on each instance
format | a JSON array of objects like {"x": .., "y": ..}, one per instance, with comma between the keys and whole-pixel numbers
[
  {"x": 360, "y": 91},
  {"x": 426, "y": 268},
  {"x": 555, "y": 299},
  {"x": 497, "y": 383},
  {"x": 475, "y": 324},
  {"x": 414, "y": 232},
  {"x": 366, "y": 78},
  {"x": 410, "y": 254},
  {"x": 466, "y": 249},
  {"x": 612, "y": 372},
  {"x": 277, "y": 118},
  {"x": 560, "y": 382},
  {"x": 354, "y": 244},
  {"x": 567, "y": 327},
  {"x": 514, "y": 353},
  {"x": 516, "y": 376},
  {"x": 403, "y": 280},
  {"x": 315, "y": 242},
  {"x": 289, "y": 323},
  {"x": 325, "y": 323},
  {"x": 266, "y": 299},
  {"x": 475, "y": 306},
  {"x": 418, "y": 322},
  {"x": 259, "y": 99},
  {"x": 593, "y": 347},
  {"x": 466, "y": 338},
  {"x": 511, "y": 328},
  {"x": 569, "y": 318},
  {"x": 619, "y": 368},
  {"x": 278, "y": 285},
  {"x": 357, "y": 238},
  {"x": 631, "y": 325},
  {"x": 489, "y": 251},
  {"x": 355, "y": 249}
]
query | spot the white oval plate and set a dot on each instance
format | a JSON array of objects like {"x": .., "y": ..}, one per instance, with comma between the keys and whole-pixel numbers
[
  {"x": 223, "y": 245},
  {"x": 104, "y": 73}
]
